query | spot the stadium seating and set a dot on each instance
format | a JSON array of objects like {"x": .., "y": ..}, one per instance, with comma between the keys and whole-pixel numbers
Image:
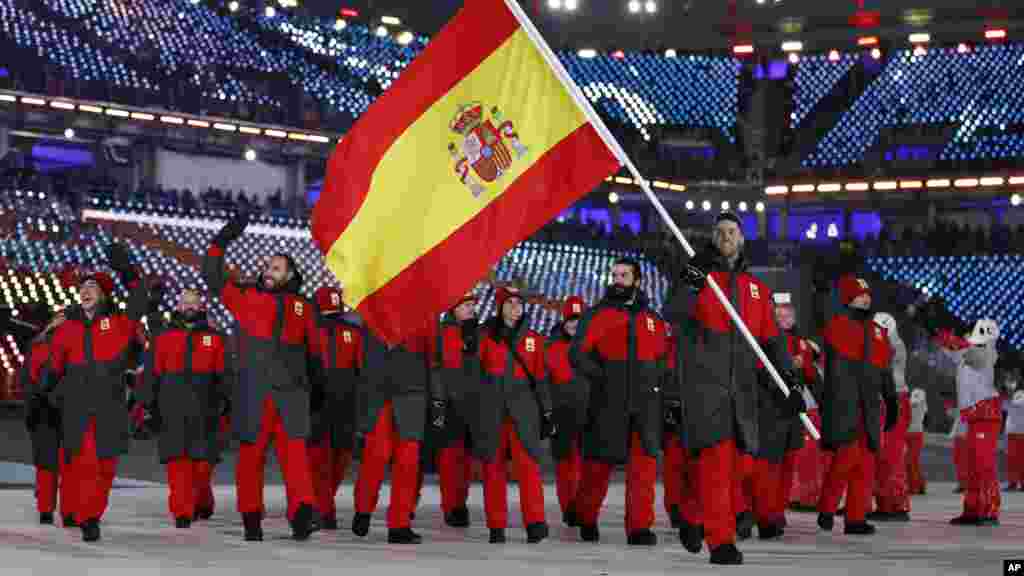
[
  {"x": 974, "y": 89},
  {"x": 973, "y": 286},
  {"x": 643, "y": 89},
  {"x": 815, "y": 77}
]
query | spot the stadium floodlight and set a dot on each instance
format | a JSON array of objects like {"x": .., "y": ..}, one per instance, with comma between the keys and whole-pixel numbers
[
  {"x": 995, "y": 34},
  {"x": 966, "y": 183},
  {"x": 743, "y": 49},
  {"x": 171, "y": 120},
  {"x": 1016, "y": 180},
  {"x": 634, "y": 6},
  {"x": 390, "y": 21},
  {"x": 69, "y": 133},
  {"x": 867, "y": 41},
  {"x": 706, "y": 205},
  {"x": 886, "y": 185},
  {"x": 233, "y": 5},
  {"x": 1015, "y": 200},
  {"x": 803, "y": 188},
  {"x": 876, "y": 53},
  {"x": 33, "y": 101},
  {"x": 759, "y": 207},
  {"x": 198, "y": 123},
  {"x": 651, "y": 6},
  {"x": 382, "y": 31},
  {"x": 920, "y": 51},
  {"x": 911, "y": 184},
  {"x": 829, "y": 187},
  {"x": 743, "y": 206},
  {"x": 962, "y": 48},
  {"x": 776, "y": 190},
  {"x": 62, "y": 105},
  {"x": 833, "y": 55},
  {"x": 270, "y": 12},
  {"x": 689, "y": 205},
  {"x": 992, "y": 181},
  {"x": 792, "y": 46},
  {"x": 118, "y": 113},
  {"x": 8, "y": 98},
  {"x": 571, "y": 5},
  {"x": 794, "y": 58},
  {"x": 405, "y": 38},
  {"x": 588, "y": 53},
  {"x": 225, "y": 127},
  {"x": 340, "y": 24},
  {"x": 249, "y": 130},
  {"x": 938, "y": 183},
  {"x": 90, "y": 108},
  {"x": 725, "y": 205},
  {"x": 194, "y": 2},
  {"x": 613, "y": 198},
  {"x": 143, "y": 116},
  {"x": 250, "y": 155},
  {"x": 670, "y": 53},
  {"x": 920, "y": 38}
]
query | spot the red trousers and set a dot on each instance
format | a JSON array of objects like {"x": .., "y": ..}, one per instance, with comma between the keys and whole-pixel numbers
[
  {"x": 960, "y": 459},
  {"x": 291, "y": 457},
  {"x": 811, "y": 465},
  {"x": 567, "y": 477},
  {"x": 852, "y": 471},
  {"x": 679, "y": 474},
  {"x": 915, "y": 480},
  {"x": 768, "y": 499},
  {"x": 327, "y": 468},
  {"x": 715, "y": 466},
  {"x": 190, "y": 487},
  {"x": 93, "y": 476},
  {"x": 47, "y": 483},
  {"x": 383, "y": 446},
  {"x": 455, "y": 467},
  {"x": 743, "y": 484},
  {"x": 641, "y": 477},
  {"x": 981, "y": 499},
  {"x": 531, "y": 490},
  {"x": 891, "y": 472},
  {"x": 1015, "y": 458}
]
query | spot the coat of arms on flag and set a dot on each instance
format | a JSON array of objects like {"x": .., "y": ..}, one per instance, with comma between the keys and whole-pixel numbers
[{"x": 483, "y": 146}]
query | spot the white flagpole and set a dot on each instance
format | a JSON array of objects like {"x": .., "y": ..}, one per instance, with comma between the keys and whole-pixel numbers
[{"x": 620, "y": 154}]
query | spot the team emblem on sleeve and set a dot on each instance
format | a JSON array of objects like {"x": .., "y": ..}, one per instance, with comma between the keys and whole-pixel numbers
[
  {"x": 105, "y": 324},
  {"x": 650, "y": 324},
  {"x": 298, "y": 309},
  {"x": 334, "y": 299},
  {"x": 531, "y": 345},
  {"x": 755, "y": 293},
  {"x": 347, "y": 337},
  {"x": 208, "y": 341}
]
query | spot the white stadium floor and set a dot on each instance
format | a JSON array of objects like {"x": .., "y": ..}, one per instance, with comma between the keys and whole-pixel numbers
[{"x": 138, "y": 538}]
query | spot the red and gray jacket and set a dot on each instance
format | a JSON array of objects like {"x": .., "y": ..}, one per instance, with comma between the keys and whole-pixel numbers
[
  {"x": 32, "y": 376},
  {"x": 88, "y": 359},
  {"x": 400, "y": 375},
  {"x": 276, "y": 340},
  {"x": 857, "y": 377},
  {"x": 622, "y": 349},
  {"x": 342, "y": 345},
  {"x": 720, "y": 378},
  {"x": 184, "y": 383},
  {"x": 507, "y": 390},
  {"x": 570, "y": 393}
]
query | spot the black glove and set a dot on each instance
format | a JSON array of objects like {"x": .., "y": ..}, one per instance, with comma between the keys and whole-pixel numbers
[
  {"x": 892, "y": 412},
  {"x": 34, "y": 412},
  {"x": 225, "y": 406},
  {"x": 317, "y": 398},
  {"x": 694, "y": 277},
  {"x": 794, "y": 403},
  {"x": 438, "y": 410},
  {"x": 548, "y": 429},
  {"x": 156, "y": 296},
  {"x": 233, "y": 229},
  {"x": 673, "y": 415},
  {"x": 470, "y": 332},
  {"x": 54, "y": 417},
  {"x": 120, "y": 261}
]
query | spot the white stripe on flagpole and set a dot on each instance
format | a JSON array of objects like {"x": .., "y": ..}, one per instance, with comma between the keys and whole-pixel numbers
[{"x": 602, "y": 129}]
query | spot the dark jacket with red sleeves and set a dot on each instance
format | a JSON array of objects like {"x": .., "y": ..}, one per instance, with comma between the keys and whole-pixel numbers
[
  {"x": 720, "y": 377},
  {"x": 570, "y": 392},
  {"x": 341, "y": 357},
  {"x": 857, "y": 376},
  {"x": 88, "y": 359},
  {"x": 46, "y": 435},
  {"x": 506, "y": 390},
  {"x": 184, "y": 383},
  {"x": 780, "y": 431},
  {"x": 277, "y": 338},
  {"x": 400, "y": 375},
  {"x": 458, "y": 374}
]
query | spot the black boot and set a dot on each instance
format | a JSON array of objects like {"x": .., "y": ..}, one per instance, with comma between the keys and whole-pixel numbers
[
  {"x": 964, "y": 520},
  {"x": 182, "y": 522},
  {"x": 91, "y": 530},
  {"x": 253, "y": 529},
  {"x": 879, "y": 516},
  {"x": 569, "y": 517},
  {"x": 988, "y": 522},
  {"x": 769, "y": 531},
  {"x": 744, "y": 525},
  {"x": 859, "y": 529},
  {"x": 302, "y": 523},
  {"x": 46, "y": 518},
  {"x": 497, "y": 536},
  {"x": 361, "y": 524},
  {"x": 691, "y": 536},
  {"x": 675, "y": 517},
  {"x": 536, "y": 532},
  {"x": 727, "y": 554},
  {"x": 69, "y": 521},
  {"x": 204, "y": 513},
  {"x": 642, "y": 538},
  {"x": 457, "y": 518},
  {"x": 589, "y": 533},
  {"x": 403, "y": 536},
  {"x": 826, "y": 521},
  {"x": 329, "y": 522}
]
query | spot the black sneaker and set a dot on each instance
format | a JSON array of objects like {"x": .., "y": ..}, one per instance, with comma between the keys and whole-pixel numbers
[
  {"x": 744, "y": 525},
  {"x": 204, "y": 513},
  {"x": 536, "y": 532},
  {"x": 569, "y": 517},
  {"x": 457, "y": 518},
  {"x": 361, "y": 524},
  {"x": 589, "y": 533},
  {"x": 727, "y": 554},
  {"x": 302, "y": 523},
  {"x": 497, "y": 536},
  {"x": 182, "y": 522},
  {"x": 964, "y": 520},
  {"x": 403, "y": 536},
  {"x": 642, "y": 538},
  {"x": 691, "y": 536},
  {"x": 859, "y": 529},
  {"x": 70, "y": 522},
  {"x": 91, "y": 530},
  {"x": 675, "y": 517},
  {"x": 826, "y": 521},
  {"x": 988, "y": 522},
  {"x": 253, "y": 529},
  {"x": 46, "y": 518},
  {"x": 329, "y": 522},
  {"x": 769, "y": 531}
]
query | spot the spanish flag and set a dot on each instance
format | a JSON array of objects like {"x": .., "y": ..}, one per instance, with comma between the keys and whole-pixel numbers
[{"x": 476, "y": 146}]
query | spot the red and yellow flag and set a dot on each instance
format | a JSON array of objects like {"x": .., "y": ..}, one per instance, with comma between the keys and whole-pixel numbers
[{"x": 476, "y": 146}]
